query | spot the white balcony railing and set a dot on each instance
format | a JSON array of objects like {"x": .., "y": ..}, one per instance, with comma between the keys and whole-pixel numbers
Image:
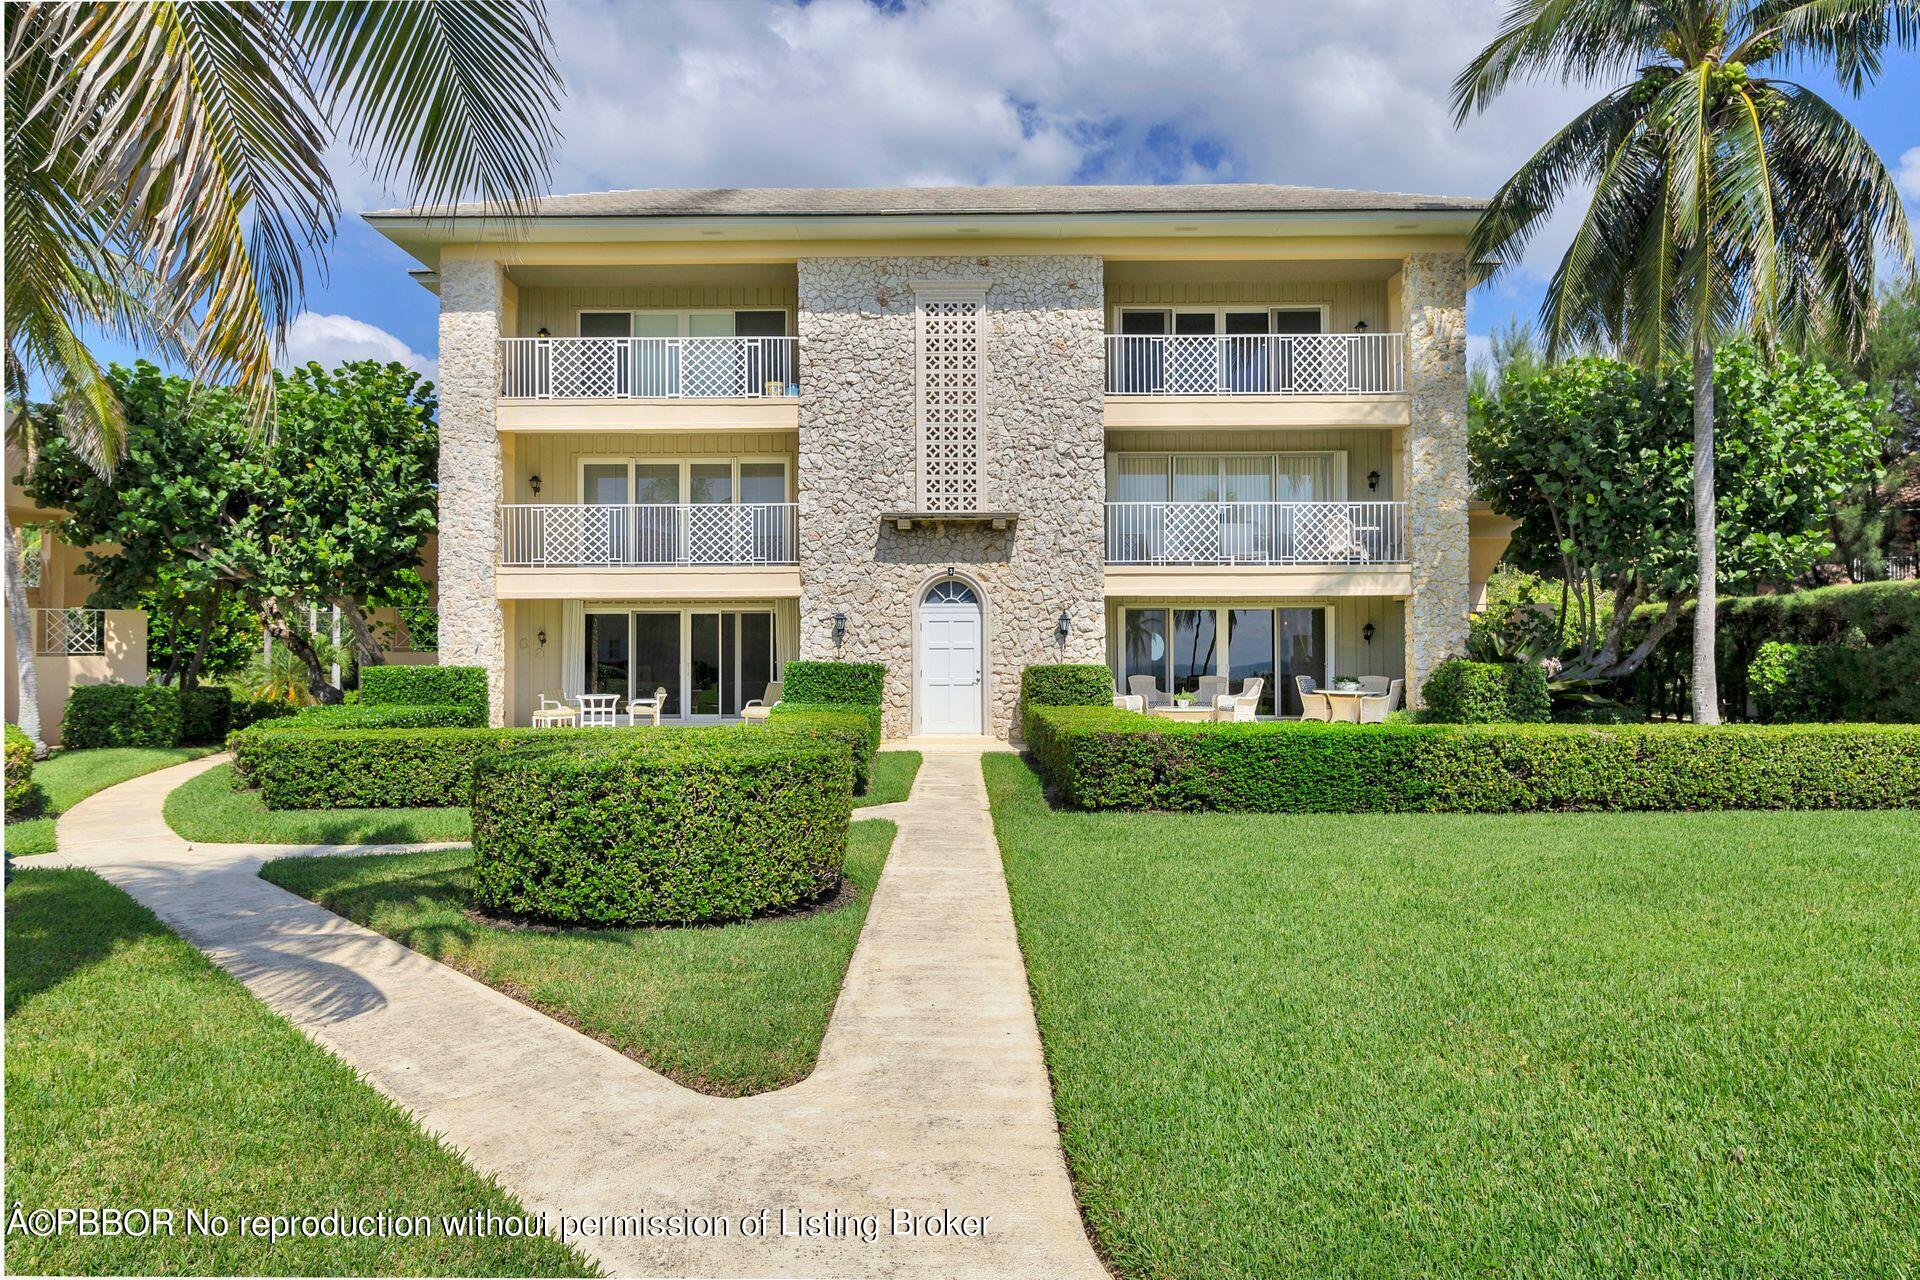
[
  {"x": 1256, "y": 533},
  {"x": 594, "y": 535},
  {"x": 649, "y": 368},
  {"x": 67, "y": 633},
  {"x": 1304, "y": 364}
]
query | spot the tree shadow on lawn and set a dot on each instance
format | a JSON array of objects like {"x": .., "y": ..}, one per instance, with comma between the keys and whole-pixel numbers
[{"x": 61, "y": 923}]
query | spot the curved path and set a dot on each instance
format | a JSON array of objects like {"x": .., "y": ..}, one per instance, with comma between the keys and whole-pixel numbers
[{"x": 930, "y": 1098}]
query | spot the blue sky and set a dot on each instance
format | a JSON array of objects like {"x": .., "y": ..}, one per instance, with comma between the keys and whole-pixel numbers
[{"x": 844, "y": 92}]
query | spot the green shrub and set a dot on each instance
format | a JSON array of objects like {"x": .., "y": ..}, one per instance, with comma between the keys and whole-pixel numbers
[
  {"x": 251, "y": 711},
  {"x": 658, "y": 828},
  {"x": 1876, "y": 624},
  {"x": 856, "y": 684},
  {"x": 1097, "y": 759},
  {"x": 1066, "y": 684},
  {"x": 206, "y": 714},
  {"x": 359, "y": 715},
  {"x": 1794, "y": 682},
  {"x": 426, "y": 686},
  {"x": 856, "y": 728},
  {"x": 24, "y": 796},
  {"x": 1462, "y": 692},
  {"x": 120, "y": 715}
]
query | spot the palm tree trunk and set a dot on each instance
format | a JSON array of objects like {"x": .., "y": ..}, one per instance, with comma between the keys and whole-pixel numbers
[
  {"x": 20, "y": 623},
  {"x": 1706, "y": 678}
]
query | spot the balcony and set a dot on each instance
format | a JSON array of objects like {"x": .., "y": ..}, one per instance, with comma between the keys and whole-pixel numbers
[
  {"x": 1256, "y": 380},
  {"x": 1249, "y": 549},
  {"x": 638, "y": 383},
  {"x": 579, "y": 535}
]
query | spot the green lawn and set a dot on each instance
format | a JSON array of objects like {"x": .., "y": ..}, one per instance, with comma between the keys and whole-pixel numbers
[
  {"x": 731, "y": 1009},
  {"x": 68, "y": 777},
  {"x": 207, "y": 808},
  {"x": 893, "y": 774},
  {"x": 138, "y": 1074},
  {"x": 1650, "y": 1044}
]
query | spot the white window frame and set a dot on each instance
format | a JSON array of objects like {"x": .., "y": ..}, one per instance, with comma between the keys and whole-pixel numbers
[
  {"x": 1339, "y": 457},
  {"x": 680, "y": 696},
  {"x": 685, "y": 463},
  {"x": 1219, "y": 312},
  {"x": 683, "y": 315},
  {"x": 1223, "y": 659}
]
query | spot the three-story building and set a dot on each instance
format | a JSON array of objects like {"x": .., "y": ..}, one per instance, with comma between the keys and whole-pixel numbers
[{"x": 687, "y": 436}]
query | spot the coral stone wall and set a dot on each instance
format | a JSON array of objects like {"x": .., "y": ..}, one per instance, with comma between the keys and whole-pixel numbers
[
  {"x": 1434, "y": 289},
  {"x": 1042, "y": 458},
  {"x": 472, "y": 629}
]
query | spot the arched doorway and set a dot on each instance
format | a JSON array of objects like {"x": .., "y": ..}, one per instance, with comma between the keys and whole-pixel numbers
[{"x": 949, "y": 661}]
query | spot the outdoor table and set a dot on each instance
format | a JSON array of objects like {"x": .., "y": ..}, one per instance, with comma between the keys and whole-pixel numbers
[
  {"x": 1346, "y": 703},
  {"x": 1195, "y": 711}
]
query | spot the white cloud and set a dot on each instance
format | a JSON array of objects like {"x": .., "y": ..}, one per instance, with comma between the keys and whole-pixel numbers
[
  {"x": 840, "y": 92},
  {"x": 1907, "y": 175},
  {"x": 331, "y": 339}
]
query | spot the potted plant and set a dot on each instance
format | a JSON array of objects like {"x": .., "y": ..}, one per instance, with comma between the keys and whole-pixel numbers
[{"x": 1347, "y": 684}]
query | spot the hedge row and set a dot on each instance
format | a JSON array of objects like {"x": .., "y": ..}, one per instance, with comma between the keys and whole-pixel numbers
[
  {"x": 1104, "y": 759},
  {"x": 121, "y": 715},
  {"x": 316, "y": 762},
  {"x": 1066, "y": 684},
  {"x": 659, "y": 827},
  {"x": 857, "y": 684},
  {"x": 1462, "y": 692},
  {"x": 426, "y": 686},
  {"x": 1878, "y": 623},
  {"x": 361, "y": 716},
  {"x": 24, "y": 796}
]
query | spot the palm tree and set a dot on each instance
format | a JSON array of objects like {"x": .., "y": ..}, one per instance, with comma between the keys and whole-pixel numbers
[
  {"x": 1723, "y": 201},
  {"x": 167, "y": 179}
]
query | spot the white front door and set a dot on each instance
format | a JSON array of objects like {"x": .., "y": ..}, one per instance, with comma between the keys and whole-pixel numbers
[{"x": 949, "y": 663}]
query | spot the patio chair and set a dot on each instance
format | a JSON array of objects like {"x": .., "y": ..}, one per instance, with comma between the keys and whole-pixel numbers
[
  {"x": 1374, "y": 684},
  {"x": 757, "y": 711},
  {"x": 1395, "y": 688},
  {"x": 647, "y": 709},
  {"x": 1130, "y": 702},
  {"x": 599, "y": 710},
  {"x": 1147, "y": 688},
  {"x": 1212, "y": 689},
  {"x": 553, "y": 711},
  {"x": 1242, "y": 707},
  {"x": 1373, "y": 710},
  {"x": 1313, "y": 704}
]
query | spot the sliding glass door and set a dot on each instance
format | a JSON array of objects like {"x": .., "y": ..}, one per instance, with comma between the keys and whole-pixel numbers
[
  {"x": 711, "y": 662},
  {"x": 1177, "y": 646}
]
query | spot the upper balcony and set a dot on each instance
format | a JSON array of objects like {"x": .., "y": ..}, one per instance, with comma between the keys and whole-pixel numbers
[
  {"x": 724, "y": 368},
  {"x": 1264, "y": 364}
]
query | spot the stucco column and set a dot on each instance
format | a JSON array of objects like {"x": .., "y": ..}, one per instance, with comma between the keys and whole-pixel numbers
[
  {"x": 1434, "y": 289},
  {"x": 472, "y": 629}
]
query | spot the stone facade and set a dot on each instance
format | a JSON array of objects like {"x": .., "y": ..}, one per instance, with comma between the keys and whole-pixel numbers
[
  {"x": 472, "y": 628},
  {"x": 1434, "y": 289},
  {"x": 1042, "y": 458}
]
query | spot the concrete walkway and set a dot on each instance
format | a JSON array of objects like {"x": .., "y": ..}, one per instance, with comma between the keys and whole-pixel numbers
[{"x": 930, "y": 1102}]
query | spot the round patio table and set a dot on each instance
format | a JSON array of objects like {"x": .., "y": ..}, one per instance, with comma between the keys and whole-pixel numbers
[
  {"x": 1346, "y": 703},
  {"x": 1195, "y": 712}
]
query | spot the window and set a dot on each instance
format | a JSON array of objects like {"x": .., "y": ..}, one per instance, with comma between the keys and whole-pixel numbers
[
  {"x": 1227, "y": 477},
  {"x": 1177, "y": 646},
  {"x": 690, "y": 480},
  {"x": 950, "y": 374},
  {"x": 689, "y": 367},
  {"x": 710, "y": 661}
]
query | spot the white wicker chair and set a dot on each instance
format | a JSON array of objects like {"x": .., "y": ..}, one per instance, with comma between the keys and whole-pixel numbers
[
  {"x": 1212, "y": 689},
  {"x": 1242, "y": 707},
  {"x": 1313, "y": 704},
  {"x": 1147, "y": 689},
  {"x": 762, "y": 707},
  {"x": 1130, "y": 702}
]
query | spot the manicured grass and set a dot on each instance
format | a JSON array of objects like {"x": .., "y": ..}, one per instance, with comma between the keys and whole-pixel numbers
[
  {"x": 208, "y": 808},
  {"x": 1645, "y": 1044},
  {"x": 68, "y": 777},
  {"x": 731, "y": 1009},
  {"x": 138, "y": 1074},
  {"x": 892, "y": 780}
]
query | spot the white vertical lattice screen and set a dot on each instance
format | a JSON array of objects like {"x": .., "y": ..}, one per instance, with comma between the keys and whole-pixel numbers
[{"x": 950, "y": 395}]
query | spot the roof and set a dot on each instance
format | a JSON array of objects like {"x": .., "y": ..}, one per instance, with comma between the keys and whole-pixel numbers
[{"x": 747, "y": 202}]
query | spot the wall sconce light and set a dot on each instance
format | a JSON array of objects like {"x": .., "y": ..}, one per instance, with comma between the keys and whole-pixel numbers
[
  {"x": 1063, "y": 626},
  {"x": 1360, "y": 326},
  {"x": 839, "y": 628},
  {"x": 543, "y": 333},
  {"x": 533, "y": 483},
  {"x": 1366, "y": 633},
  {"x": 1373, "y": 482},
  {"x": 541, "y": 637}
]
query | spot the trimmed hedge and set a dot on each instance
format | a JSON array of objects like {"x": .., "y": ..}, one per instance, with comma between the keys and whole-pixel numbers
[
  {"x": 251, "y": 711},
  {"x": 360, "y": 716},
  {"x": 24, "y": 796},
  {"x": 426, "y": 686},
  {"x": 120, "y": 715},
  {"x": 857, "y": 684},
  {"x": 1463, "y": 692},
  {"x": 321, "y": 763},
  {"x": 659, "y": 829},
  {"x": 1795, "y": 682},
  {"x": 856, "y": 728},
  {"x": 1066, "y": 684},
  {"x": 1105, "y": 759},
  {"x": 206, "y": 715}
]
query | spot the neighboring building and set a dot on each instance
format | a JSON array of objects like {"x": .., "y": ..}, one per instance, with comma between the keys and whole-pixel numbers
[
  {"x": 687, "y": 436},
  {"x": 72, "y": 644}
]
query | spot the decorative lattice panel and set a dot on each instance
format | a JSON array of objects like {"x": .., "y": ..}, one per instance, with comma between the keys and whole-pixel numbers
[
  {"x": 71, "y": 631},
  {"x": 950, "y": 424},
  {"x": 1192, "y": 532},
  {"x": 582, "y": 534},
  {"x": 712, "y": 367},
  {"x": 1322, "y": 364},
  {"x": 1324, "y": 532},
  {"x": 719, "y": 533},
  {"x": 584, "y": 367},
  {"x": 1192, "y": 366}
]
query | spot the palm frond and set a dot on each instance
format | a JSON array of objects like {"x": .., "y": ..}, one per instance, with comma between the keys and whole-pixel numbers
[
  {"x": 1847, "y": 37},
  {"x": 1579, "y": 41},
  {"x": 451, "y": 99}
]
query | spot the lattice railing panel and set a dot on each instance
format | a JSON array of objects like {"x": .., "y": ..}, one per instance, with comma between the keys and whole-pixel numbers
[
  {"x": 69, "y": 632},
  {"x": 950, "y": 399}
]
